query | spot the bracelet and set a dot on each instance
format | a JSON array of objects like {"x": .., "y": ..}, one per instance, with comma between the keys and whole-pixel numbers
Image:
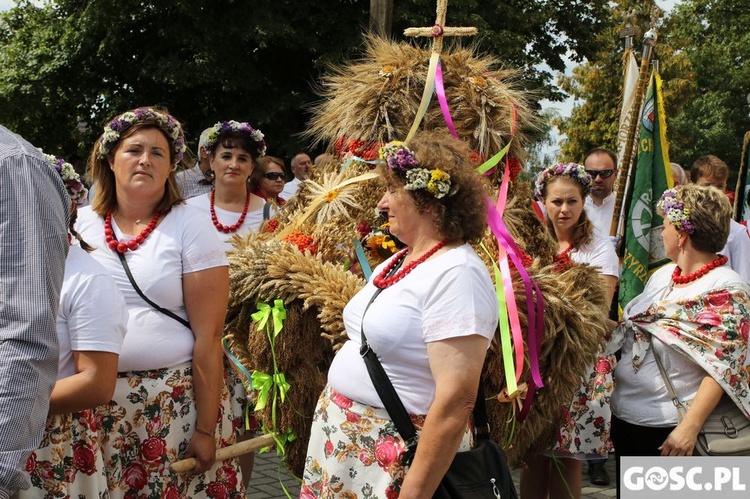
[{"x": 202, "y": 432}]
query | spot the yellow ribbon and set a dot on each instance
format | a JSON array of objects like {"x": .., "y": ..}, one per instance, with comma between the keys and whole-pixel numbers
[
  {"x": 429, "y": 88},
  {"x": 277, "y": 313}
]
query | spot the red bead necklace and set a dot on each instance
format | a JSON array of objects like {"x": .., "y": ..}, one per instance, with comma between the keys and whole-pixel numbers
[
  {"x": 678, "y": 278},
  {"x": 132, "y": 245},
  {"x": 228, "y": 228},
  {"x": 563, "y": 261},
  {"x": 382, "y": 282}
]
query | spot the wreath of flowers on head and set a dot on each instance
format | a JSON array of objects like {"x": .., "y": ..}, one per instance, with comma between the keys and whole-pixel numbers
[
  {"x": 571, "y": 170},
  {"x": 400, "y": 159},
  {"x": 223, "y": 127},
  {"x": 675, "y": 211},
  {"x": 76, "y": 190},
  {"x": 114, "y": 130}
]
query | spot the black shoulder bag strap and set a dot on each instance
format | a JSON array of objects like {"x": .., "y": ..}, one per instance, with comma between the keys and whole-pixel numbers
[
  {"x": 266, "y": 211},
  {"x": 164, "y": 311},
  {"x": 391, "y": 401}
]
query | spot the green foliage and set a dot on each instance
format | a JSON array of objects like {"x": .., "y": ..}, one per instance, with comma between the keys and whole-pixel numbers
[
  {"x": 68, "y": 66},
  {"x": 704, "y": 55}
]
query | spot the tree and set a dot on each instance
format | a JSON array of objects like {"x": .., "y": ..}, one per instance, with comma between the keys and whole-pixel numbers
[
  {"x": 68, "y": 66},
  {"x": 704, "y": 58}
]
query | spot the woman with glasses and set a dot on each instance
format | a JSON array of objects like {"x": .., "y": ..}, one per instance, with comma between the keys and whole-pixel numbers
[
  {"x": 233, "y": 149},
  {"x": 267, "y": 181}
]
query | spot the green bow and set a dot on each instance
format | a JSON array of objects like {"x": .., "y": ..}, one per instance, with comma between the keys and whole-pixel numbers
[
  {"x": 265, "y": 383},
  {"x": 265, "y": 310}
]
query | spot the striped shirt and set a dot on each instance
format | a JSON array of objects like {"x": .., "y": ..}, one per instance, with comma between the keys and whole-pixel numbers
[
  {"x": 34, "y": 213},
  {"x": 189, "y": 182}
]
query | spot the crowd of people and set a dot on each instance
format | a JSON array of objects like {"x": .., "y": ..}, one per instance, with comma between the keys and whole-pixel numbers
[{"x": 124, "y": 293}]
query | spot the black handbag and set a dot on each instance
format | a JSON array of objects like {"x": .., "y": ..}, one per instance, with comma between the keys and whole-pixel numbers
[{"x": 479, "y": 473}]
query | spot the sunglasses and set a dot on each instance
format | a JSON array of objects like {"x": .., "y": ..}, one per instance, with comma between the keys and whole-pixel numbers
[
  {"x": 274, "y": 175},
  {"x": 601, "y": 173}
]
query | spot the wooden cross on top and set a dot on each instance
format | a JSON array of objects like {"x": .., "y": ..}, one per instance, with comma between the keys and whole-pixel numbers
[{"x": 438, "y": 31}]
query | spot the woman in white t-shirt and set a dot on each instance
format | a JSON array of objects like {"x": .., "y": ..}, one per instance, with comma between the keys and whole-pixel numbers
[
  {"x": 563, "y": 188},
  {"x": 430, "y": 328},
  {"x": 170, "y": 400},
  {"x": 91, "y": 324},
  {"x": 694, "y": 316},
  {"x": 233, "y": 149}
]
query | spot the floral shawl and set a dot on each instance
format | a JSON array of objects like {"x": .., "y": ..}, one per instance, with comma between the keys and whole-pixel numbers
[{"x": 711, "y": 329}]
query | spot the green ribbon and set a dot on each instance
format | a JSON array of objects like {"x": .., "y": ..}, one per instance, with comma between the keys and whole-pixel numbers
[
  {"x": 263, "y": 383},
  {"x": 277, "y": 313}
]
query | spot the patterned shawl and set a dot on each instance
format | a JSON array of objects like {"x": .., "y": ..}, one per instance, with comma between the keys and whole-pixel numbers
[{"x": 711, "y": 329}]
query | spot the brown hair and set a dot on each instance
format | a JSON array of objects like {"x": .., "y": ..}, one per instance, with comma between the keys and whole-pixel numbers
[
  {"x": 584, "y": 229},
  {"x": 709, "y": 166},
  {"x": 710, "y": 214},
  {"x": 261, "y": 168},
  {"x": 458, "y": 216},
  {"x": 105, "y": 195}
]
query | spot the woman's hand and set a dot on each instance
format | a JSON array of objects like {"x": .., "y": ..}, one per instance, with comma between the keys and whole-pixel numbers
[
  {"x": 203, "y": 448},
  {"x": 681, "y": 441}
]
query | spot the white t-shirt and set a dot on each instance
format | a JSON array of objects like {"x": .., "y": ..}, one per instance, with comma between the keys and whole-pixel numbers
[
  {"x": 448, "y": 296},
  {"x": 601, "y": 216},
  {"x": 184, "y": 242},
  {"x": 92, "y": 315},
  {"x": 252, "y": 221},
  {"x": 641, "y": 398},
  {"x": 290, "y": 189},
  {"x": 598, "y": 253},
  {"x": 738, "y": 250}
]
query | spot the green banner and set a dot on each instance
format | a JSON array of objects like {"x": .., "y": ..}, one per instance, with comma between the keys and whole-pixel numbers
[
  {"x": 741, "y": 210},
  {"x": 644, "y": 250}
]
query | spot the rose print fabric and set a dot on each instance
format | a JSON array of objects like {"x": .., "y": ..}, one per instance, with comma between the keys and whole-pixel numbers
[
  {"x": 712, "y": 329},
  {"x": 149, "y": 424},
  {"x": 355, "y": 451},
  {"x": 68, "y": 463},
  {"x": 585, "y": 431}
]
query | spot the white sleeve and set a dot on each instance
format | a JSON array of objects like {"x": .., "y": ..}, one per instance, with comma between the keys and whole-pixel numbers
[
  {"x": 738, "y": 246},
  {"x": 462, "y": 303},
  {"x": 201, "y": 247},
  {"x": 97, "y": 318}
]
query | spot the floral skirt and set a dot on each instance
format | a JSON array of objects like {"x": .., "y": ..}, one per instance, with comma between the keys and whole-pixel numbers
[
  {"x": 68, "y": 462},
  {"x": 149, "y": 424},
  {"x": 355, "y": 450},
  {"x": 585, "y": 432}
]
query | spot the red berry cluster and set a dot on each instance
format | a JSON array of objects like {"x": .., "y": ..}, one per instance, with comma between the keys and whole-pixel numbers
[
  {"x": 366, "y": 150},
  {"x": 271, "y": 226},
  {"x": 302, "y": 241}
]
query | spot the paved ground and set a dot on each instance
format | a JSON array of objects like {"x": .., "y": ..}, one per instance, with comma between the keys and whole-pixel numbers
[{"x": 267, "y": 479}]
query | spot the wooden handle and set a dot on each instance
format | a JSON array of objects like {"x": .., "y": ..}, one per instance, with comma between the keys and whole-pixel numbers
[{"x": 238, "y": 449}]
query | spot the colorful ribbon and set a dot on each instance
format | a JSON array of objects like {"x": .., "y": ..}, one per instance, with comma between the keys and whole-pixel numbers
[
  {"x": 440, "y": 91},
  {"x": 429, "y": 87},
  {"x": 362, "y": 259},
  {"x": 277, "y": 312}
]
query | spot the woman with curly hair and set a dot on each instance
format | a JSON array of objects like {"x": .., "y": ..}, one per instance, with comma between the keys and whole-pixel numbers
[
  {"x": 430, "y": 326},
  {"x": 170, "y": 400},
  {"x": 584, "y": 433}
]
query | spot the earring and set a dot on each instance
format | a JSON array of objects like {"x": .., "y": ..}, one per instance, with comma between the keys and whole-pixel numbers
[{"x": 210, "y": 175}]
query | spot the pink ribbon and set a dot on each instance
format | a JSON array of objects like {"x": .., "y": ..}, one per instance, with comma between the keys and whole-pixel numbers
[
  {"x": 535, "y": 307},
  {"x": 440, "y": 91}
]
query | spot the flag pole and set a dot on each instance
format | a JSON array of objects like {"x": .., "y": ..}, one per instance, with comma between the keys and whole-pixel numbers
[{"x": 624, "y": 182}]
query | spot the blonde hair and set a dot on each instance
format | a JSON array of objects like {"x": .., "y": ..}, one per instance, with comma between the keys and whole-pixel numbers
[{"x": 709, "y": 212}]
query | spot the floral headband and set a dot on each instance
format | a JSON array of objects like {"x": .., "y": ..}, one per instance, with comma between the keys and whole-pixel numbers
[
  {"x": 114, "y": 130},
  {"x": 675, "y": 211},
  {"x": 223, "y": 127},
  {"x": 76, "y": 190},
  {"x": 571, "y": 170},
  {"x": 399, "y": 158}
]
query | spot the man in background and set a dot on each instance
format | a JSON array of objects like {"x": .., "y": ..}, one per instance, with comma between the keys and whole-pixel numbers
[
  {"x": 300, "y": 164},
  {"x": 197, "y": 180},
  {"x": 34, "y": 216}
]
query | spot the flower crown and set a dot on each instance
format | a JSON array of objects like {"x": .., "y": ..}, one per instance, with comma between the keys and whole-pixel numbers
[
  {"x": 114, "y": 130},
  {"x": 399, "y": 158},
  {"x": 571, "y": 170},
  {"x": 76, "y": 190},
  {"x": 223, "y": 127},
  {"x": 675, "y": 211}
]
